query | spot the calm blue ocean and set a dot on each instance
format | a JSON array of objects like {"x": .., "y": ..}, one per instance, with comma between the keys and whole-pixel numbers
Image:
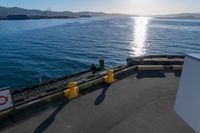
[{"x": 57, "y": 47}]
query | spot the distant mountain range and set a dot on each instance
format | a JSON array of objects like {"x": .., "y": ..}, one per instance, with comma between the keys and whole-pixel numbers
[
  {"x": 179, "y": 16},
  {"x": 16, "y": 13},
  {"x": 20, "y": 13}
]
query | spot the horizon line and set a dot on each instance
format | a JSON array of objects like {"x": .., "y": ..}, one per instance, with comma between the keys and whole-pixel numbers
[{"x": 151, "y": 14}]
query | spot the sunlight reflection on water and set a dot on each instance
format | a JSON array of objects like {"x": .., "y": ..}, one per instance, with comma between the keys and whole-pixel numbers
[{"x": 138, "y": 45}]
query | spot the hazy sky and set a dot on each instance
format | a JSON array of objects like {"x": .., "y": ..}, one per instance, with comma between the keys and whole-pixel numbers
[{"x": 142, "y": 7}]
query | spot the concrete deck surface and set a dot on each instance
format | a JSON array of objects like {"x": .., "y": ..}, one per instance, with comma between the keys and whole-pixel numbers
[{"x": 135, "y": 104}]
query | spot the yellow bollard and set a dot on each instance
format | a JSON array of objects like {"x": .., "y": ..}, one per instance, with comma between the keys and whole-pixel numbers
[
  {"x": 109, "y": 78},
  {"x": 72, "y": 91}
]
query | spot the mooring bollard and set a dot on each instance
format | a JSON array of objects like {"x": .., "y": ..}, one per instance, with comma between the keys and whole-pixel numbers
[
  {"x": 72, "y": 92},
  {"x": 101, "y": 63},
  {"x": 109, "y": 78}
]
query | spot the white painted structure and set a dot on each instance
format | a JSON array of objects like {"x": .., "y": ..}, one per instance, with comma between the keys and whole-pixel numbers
[
  {"x": 187, "y": 103},
  {"x": 5, "y": 99}
]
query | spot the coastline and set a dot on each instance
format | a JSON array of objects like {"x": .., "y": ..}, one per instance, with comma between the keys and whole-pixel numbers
[{"x": 43, "y": 17}]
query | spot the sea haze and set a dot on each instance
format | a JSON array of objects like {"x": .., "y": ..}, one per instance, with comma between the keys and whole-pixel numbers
[{"x": 57, "y": 47}]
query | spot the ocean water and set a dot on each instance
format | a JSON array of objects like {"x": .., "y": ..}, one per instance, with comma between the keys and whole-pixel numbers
[{"x": 58, "y": 47}]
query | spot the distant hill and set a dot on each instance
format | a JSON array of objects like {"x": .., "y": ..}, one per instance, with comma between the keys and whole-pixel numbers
[
  {"x": 16, "y": 13},
  {"x": 13, "y": 13},
  {"x": 180, "y": 16}
]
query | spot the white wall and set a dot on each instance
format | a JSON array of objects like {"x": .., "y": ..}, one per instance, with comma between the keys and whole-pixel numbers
[{"x": 187, "y": 103}]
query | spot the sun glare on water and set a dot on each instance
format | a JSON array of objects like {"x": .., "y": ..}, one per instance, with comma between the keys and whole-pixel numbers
[{"x": 138, "y": 45}]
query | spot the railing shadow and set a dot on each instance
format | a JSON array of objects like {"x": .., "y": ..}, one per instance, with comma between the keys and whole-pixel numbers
[{"x": 45, "y": 124}]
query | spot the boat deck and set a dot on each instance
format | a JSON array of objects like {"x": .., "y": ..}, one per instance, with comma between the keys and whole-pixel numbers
[{"x": 140, "y": 102}]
